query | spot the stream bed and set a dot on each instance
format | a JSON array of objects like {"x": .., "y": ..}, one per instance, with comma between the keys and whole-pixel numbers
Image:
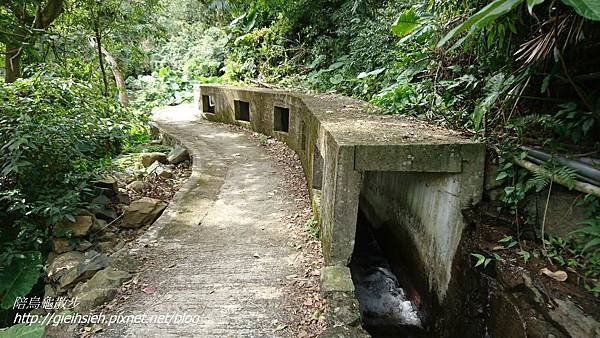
[{"x": 388, "y": 309}]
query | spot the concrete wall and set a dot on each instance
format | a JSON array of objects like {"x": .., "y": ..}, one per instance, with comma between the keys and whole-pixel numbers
[
  {"x": 410, "y": 177},
  {"x": 422, "y": 212}
]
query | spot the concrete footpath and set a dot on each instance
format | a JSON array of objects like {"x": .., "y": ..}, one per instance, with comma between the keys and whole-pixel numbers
[{"x": 230, "y": 249}]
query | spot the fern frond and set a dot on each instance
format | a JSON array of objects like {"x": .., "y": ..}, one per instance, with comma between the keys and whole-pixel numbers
[
  {"x": 540, "y": 179},
  {"x": 567, "y": 175}
]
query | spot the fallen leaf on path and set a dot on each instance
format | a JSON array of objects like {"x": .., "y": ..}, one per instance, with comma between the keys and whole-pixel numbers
[
  {"x": 280, "y": 327},
  {"x": 316, "y": 315},
  {"x": 149, "y": 290},
  {"x": 558, "y": 275}
]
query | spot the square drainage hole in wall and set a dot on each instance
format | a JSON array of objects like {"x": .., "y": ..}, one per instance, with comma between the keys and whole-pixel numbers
[
  {"x": 242, "y": 110},
  {"x": 281, "y": 119},
  {"x": 208, "y": 104}
]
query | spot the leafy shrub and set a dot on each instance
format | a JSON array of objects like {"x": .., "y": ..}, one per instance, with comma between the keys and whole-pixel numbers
[
  {"x": 206, "y": 56},
  {"x": 257, "y": 54},
  {"x": 55, "y": 133},
  {"x": 194, "y": 49},
  {"x": 163, "y": 88}
]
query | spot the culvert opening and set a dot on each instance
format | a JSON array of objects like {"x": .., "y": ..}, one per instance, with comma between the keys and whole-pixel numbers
[
  {"x": 281, "y": 119},
  {"x": 390, "y": 304},
  {"x": 208, "y": 104},
  {"x": 242, "y": 110}
]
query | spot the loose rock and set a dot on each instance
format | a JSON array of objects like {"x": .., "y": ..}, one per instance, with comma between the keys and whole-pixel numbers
[
  {"x": 137, "y": 186},
  {"x": 105, "y": 247},
  {"x": 123, "y": 198},
  {"x": 99, "y": 289},
  {"x": 83, "y": 245},
  {"x": 99, "y": 225},
  {"x": 109, "y": 185},
  {"x": 92, "y": 262},
  {"x": 164, "y": 172},
  {"x": 160, "y": 170},
  {"x": 142, "y": 212},
  {"x": 64, "y": 263},
  {"x": 148, "y": 158},
  {"x": 178, "y": 155},
  {"x": 79, "y": 228},
  {"x": 62, "y": 245}
]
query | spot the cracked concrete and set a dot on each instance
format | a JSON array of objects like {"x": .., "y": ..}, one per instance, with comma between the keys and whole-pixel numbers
[{"x": 224, "y": 249}]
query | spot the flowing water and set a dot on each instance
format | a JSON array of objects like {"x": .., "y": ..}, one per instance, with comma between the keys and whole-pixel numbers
[{"x": 387, "y": 309}]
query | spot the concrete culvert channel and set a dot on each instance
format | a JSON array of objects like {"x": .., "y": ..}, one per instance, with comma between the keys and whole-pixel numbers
[{"x": 390, "y": 306}]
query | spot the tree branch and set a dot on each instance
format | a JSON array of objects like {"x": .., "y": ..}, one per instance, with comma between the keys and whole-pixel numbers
[{"x": 45, "y": 16}]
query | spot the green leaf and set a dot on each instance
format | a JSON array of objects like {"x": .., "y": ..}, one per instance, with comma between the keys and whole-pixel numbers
[
  {"x": 495, "y": 86},
  {"x": 546, "y": 83},
  {"x": 533, "y": 3},
  {"x": 591, "y": 244},
  {"x": 336, "y": 79},
  {"x": 376, "y": 72},
  {"x": 502, "y": 175},
  {"x": 406, "y": 22},
  {"x": 70, "y": 218},
  {"x": 23, "y": 331},
  {"x": 525, "y": 255},
  {"x": 479, "y": 20},
  {"x": 316, "y": 61},
  {"x": 18, "y": 279},
  {"x": 336, "y": 65},
  {"x": 480, "y": 259},
  {"x": 589, "y": 9},
  {"x": 587, "y": 125}
]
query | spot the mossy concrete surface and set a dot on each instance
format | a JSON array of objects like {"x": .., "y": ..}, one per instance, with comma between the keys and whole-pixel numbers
[
  {"x": 336, "y": 278},
  {"x": 414, "y": 178}
]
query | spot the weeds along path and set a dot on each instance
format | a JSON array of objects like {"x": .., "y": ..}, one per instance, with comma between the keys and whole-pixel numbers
[{"x": 230, "y": 249}]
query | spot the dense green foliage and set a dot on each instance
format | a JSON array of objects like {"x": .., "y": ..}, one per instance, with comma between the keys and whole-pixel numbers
[
  {"x": 55, "y": 134},
  {"x": 59, "y": 123}
]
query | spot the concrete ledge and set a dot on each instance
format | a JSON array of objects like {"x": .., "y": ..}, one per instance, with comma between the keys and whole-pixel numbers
[
  {"x": 342, "y": 311},
  {"x": 336, "y": 279},
  {"x": 415, "y": 178}
]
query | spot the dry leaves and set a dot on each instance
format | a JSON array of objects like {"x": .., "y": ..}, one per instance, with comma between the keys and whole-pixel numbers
[{"x": 558, "y": 275}]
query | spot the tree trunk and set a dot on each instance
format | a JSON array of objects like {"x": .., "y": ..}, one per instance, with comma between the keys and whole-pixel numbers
[
  {"x": 100, "y": 58},
  {"x": 119, "y": 81},
  {"x": 12, "y": 63}
]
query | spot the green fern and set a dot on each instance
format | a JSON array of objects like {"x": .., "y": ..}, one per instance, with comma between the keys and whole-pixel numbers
[
  {"x": 540, "y": 180},
  {"x": 568, "y": 176},
  {"x": 553, "y": 171}
]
